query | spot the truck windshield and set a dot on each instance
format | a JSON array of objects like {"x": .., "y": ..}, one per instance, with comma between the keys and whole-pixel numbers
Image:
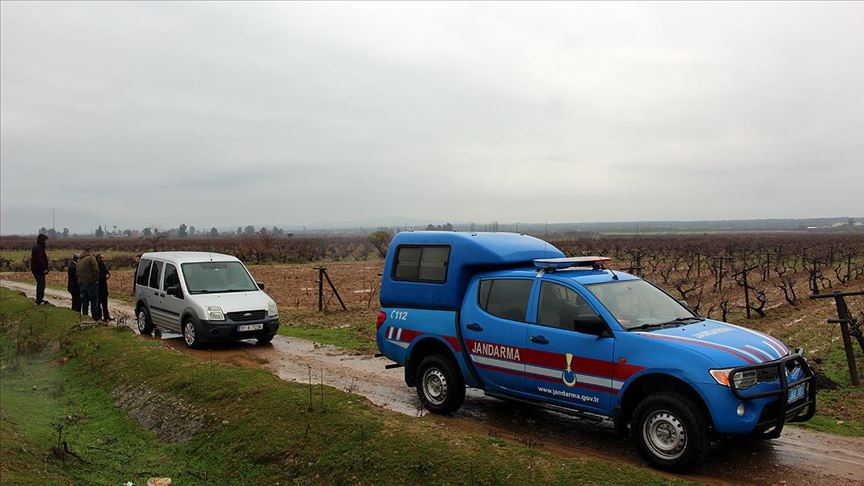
[
  {"x": 217, "y": 278},
  {"x": 638, "y": 304}
]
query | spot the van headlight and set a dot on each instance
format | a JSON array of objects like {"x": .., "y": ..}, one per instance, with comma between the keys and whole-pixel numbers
[
  {"x": 272, "y": 310},
  {"x": 743, "y": 380},
  {"x": 215, "y": 313}
]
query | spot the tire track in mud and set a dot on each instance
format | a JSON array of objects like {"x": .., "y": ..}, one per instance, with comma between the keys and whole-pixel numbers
[{"x": 798, "y": 457}]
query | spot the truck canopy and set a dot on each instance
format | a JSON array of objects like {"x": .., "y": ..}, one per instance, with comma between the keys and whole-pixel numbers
[{"x": 439, "y": 281}]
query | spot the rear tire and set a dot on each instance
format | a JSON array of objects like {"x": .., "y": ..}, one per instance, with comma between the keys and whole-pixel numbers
[
  {"x": 439, "y": 384},
  {"x": 143, "y": 321},
  {"x": 670, "y": 431},
  {"x": 191, "y": 336}
]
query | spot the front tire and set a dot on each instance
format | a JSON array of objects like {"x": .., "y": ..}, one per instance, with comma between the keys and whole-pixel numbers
[
  {"x": 440, "y": 385},
  {"x": 670, "y": 431},
  {"x": 143, "y": 321},
  {"x": 264, "y": 341},
  {"x": 191, "y": 335}
]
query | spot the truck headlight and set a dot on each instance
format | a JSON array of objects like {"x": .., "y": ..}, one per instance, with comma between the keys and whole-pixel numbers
[
  {"x": 743, "y": 380},
  {"x": 215, "y": 313},
  {"x": 272, "y": 310}
]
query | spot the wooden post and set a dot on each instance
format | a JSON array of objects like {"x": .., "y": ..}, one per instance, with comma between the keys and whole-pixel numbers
[
  {"x": 844, "y": 319},
  {"x": 330, "y": 282},
  {"x": 320, "y": 289},
  {"x": 743, "y": 274}
]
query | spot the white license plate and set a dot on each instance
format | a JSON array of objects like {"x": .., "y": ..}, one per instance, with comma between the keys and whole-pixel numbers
[
  {"x": 250, "y": 327},
  {"x": 796, "y": 393}
]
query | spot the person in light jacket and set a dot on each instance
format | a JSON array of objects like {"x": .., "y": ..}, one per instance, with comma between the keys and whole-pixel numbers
[{"x": 88, "y": 279}]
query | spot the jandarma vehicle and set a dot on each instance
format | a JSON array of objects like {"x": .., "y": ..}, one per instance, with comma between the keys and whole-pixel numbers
[
  {"x": 509, "y": 314},
  {"x": 205, "y": 296}
]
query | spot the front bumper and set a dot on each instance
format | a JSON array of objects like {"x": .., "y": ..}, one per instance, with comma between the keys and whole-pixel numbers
[
  {"x": 228, "y": 330},
  {"x": 776, "y": 413}
]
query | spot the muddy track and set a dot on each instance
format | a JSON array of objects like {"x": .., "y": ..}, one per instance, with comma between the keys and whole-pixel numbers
[{"x": 800, "y": 456}]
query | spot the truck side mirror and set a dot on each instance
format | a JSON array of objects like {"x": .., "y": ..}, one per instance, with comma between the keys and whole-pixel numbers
[
  {"x": 260, "y": 285},
  {"x": 684, "y": 303},
  {"x": 593, "y": 325}
]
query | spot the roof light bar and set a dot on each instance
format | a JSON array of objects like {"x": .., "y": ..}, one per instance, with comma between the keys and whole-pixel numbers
[{"x": 562, "y": 263}]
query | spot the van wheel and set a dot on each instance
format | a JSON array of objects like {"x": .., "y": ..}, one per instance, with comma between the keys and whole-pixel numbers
[
  {"x": 142, "y": 319},
  {"x": 439, "y": 384},
  {"x": 190, "y": 334},
  {"x": 264, "y": 341},
  {"x": 670, "y": 431}
]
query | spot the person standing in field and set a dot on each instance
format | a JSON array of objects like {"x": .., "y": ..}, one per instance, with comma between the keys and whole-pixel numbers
[
  {"x": 39, "y": 267},
  {"x": 104, "y": 275},
  {"x": 88, "y": 279},
  {"x": 72, "y": 283}
]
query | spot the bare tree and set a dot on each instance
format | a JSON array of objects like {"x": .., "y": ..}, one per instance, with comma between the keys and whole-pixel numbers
[{"x": 381, "y": 240}]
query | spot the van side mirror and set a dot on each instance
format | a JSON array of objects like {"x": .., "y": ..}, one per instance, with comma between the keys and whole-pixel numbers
[
  {"x": 684, "y": 303},
  {"x": 260, "y": 285},
  {"x": 593, "y": 325},
  {"x": 175, "y": 291}
]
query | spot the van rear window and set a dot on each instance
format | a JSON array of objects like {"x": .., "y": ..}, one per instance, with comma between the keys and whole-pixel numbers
[{"x": 422, "y": 263}]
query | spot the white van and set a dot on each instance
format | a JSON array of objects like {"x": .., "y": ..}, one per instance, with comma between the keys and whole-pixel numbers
[{"x": 205, "y": 296}]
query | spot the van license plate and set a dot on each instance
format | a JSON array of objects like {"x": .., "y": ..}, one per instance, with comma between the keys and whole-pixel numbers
[
  {"x": 796, "y": 393},
  {"x": 250, "y": 327}
]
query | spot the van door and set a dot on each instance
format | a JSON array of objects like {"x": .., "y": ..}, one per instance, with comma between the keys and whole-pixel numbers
[
  {"x": 154, "y": 295},
  {"x": 566, "y": 367},
  {"x": 172, "y": 303},
  {"x": 493, "y": 330}
]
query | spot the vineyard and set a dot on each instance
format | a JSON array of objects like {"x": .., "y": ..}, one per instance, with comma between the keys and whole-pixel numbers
[{"x": 762, "y": 281}]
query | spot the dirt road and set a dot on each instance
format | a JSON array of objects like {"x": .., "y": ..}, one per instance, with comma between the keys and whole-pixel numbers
[{"x": 800, "y": 456}]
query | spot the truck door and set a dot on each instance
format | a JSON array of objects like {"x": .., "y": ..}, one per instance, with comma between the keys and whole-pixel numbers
[
  {"x": 493, "y": 330},
  {"x": 564, "y": 366}
]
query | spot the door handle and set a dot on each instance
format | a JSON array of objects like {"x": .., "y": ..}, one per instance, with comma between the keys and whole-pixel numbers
[
  {"x": 474, "y": 327},
  {"x": 156, "y": 293},
  {"x": 161, "y": 295},
  {"x": 539, "y": 340}
]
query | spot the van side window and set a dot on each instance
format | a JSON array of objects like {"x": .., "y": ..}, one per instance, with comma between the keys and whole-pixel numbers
[
  {"x": 505, "y": 298},
  {"x": 561, "y": 307},
  {"x": 422, "y": 263},
  {"x": 154, "y": 275},
  {"x": 143, "y": 272},
  {"x": 171, "y": 279}
]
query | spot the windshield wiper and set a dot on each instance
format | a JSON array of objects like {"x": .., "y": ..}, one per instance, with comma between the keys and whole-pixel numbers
[{"x": 672, "y": 323}]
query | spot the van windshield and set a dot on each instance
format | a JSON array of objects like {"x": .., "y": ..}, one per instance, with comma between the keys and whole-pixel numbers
[{"x": 217, "y": 278}]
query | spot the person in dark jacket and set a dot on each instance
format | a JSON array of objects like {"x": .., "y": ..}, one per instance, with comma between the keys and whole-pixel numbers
[
  {"x": 104, "y": 275},
  {"x": 72, "y": 283},
  {"x": 39, "y": 267},
  {"x": 88, "y": 279}
]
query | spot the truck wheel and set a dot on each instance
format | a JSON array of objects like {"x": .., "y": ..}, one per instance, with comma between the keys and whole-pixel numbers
[
  {"x": 190, "y": 334},
  {"x": 439, "y": 384},
  {"x": 142, "y": 319},
  {"x": 670, "y": 431}
]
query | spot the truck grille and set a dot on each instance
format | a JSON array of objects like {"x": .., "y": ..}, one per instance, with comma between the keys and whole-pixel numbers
[{"x": 251, "y": 315}]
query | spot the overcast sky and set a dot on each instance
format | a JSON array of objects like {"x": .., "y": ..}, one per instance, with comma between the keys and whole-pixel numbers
[{"x": 220, "y": 114}]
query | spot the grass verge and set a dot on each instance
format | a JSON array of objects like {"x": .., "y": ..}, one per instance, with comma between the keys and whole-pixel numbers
[{"x": 57, "y": 381}]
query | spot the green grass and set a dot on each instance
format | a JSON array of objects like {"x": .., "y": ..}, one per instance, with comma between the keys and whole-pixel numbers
[
  {"x": 257, "y": 428},
  {"x": 353, "y": 330}
]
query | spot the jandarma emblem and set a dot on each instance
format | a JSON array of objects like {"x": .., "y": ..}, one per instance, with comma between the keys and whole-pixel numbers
[{"x": 567, "y": 376}]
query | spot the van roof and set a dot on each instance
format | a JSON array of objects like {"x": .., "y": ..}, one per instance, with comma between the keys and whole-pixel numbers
[{"x": 190, "y": 256}]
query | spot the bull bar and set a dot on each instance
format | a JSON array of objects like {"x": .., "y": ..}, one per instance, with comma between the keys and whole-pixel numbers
[{"x": 785, "y": 413}]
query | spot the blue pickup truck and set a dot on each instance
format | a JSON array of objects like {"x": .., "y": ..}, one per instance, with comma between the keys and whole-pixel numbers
[{"x": 511, "y": 315}]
